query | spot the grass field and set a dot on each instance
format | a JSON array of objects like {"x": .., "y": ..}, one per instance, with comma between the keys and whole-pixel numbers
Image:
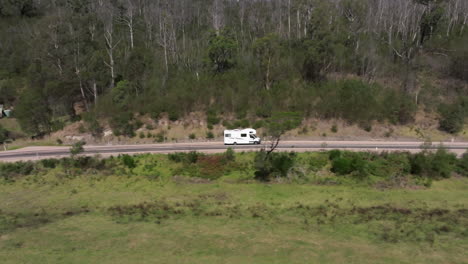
[{"x": 131, "y": 219}]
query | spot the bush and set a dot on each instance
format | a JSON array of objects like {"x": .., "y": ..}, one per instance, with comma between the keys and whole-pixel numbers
[
  {"x": 173, "y": 115},
  {"x": 351, "y": 163},
  {"x": 49, "y": 163},
  {"x": 92, "y": 124},
  {"x": 192, "y": 136},
  {"x": 258, "y": 124},
  {"x": 77, "y": 148},
  {"x": 334, "y": 129},
  {"x": 316, "y": 163},
  {"x": 212, "y": 119},
  {"x": 209, "y": 135},
  {"x": 462, "y": 167},
  {"x": 142, "y": 135},
  {"x": 9, "y": 171},
  {"x": 342, "y": 166},
  {"x": 160, "y": 137},
  {"x": 189, "y": 158},
  {"x": 333, "y": 154},
  {"x": 273, "y": 165},
  {"x": 122, "y": 124},
  {"x": 230, "y": 156},
  {"x": 433, "y": 165},
  {"x": 452, "y": 118},
  {"x": 128, "y": 161}
]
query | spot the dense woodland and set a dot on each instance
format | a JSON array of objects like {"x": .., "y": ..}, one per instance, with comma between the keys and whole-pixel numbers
[{"x": 359, "y": 60}]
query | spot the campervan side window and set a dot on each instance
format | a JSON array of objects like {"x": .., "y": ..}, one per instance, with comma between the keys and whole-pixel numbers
[
  {"x": 243, "y": 135},
  {"x": 227, "y": 135}
]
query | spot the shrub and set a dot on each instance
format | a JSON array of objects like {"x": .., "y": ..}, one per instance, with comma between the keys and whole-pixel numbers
[
  {"x": 128, "y": 161},
  {"x": 443, "y": 163},
  {"x": 317, "y": 162},
  {"x": 160, "y": 137},
  {"x": 92, "y": 124},
  {"x": 342, "y": 166},
  {"x": 462, "y": 166},
  {"x": 142, "y": 135},
  {"x": 49, "y": 163},
  {"x": 258, "y": 124},
  {"x": 138, "y": 124},
  {"x": 334, "y": 129},
  {"x": 121, "y": 124},
  {"x": 193, "y": 156},
  {"x": 176, "y": 157},
  {"x": 212, "y": 119},
  {"x": 209, "y": 135},
  {"x": 452, "y": 118},
  {"x": 192, "y": 136},
  {"x": 77, "y": 148},
  {"x": 230, "y": 156},
  {"x": 189, "y": 158},
  {"x": 433, "y": 165},
  {"x": 351, "y": 163},
  {"x": 273, "y": 165},
  {"x": 173, "y": 115},
  {"x": 333, "y": 154},
  {"x": 9, "y": 171}
]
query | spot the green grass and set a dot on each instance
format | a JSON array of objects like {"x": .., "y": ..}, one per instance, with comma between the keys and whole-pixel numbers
[{"x": 54, "y": 219}]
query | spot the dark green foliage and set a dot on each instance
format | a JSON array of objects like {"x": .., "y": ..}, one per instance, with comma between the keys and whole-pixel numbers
[
  {"x": 128, "y": 161},
  {"x": 221, "y": 51},
  {"x": 192, "y": 136},
  {"x": 273, "y": 165},
  {"x": 334, "y": 129},
  {"x": 50, "y": 163},
  {"x": 8, "y": 171},
  {"x": 212, "y": 119},
  {"x": 342, "y": 165},
  {"x": 462, "y": 167},
  {"x": 160, "y": 137},
  {"x": 209, "y": 135},
  {"x": 4, "y": 134},
  {"x": 123, "y": 124},
  {"x": 77, "y": 148},
  {"x": 33, "y": 113},
  {"x": 230, "y": 156},
  {"x": 318, "y": 162},
  {"x": 334, "y": 154},
  {"x": 281, "y": 122},
  {"x": 453, "y": 116},
  {"x": 258, "y": 124},
  {"x": 93, "y": 125},
  {"x": 189, "y": 158},
  {"x": 436, "y": 165}
]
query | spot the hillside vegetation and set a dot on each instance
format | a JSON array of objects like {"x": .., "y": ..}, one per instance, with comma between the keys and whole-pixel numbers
[{"x": 112, "y": 61}]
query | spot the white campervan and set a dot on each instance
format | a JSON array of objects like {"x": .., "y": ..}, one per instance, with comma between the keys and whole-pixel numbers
[{"x": 241, "y": 136}]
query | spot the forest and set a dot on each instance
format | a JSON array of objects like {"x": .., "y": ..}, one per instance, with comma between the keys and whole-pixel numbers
[{"x": 358, "y": 60}]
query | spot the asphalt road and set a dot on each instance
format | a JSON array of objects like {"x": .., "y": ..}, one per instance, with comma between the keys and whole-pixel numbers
[{"x": 35, "y": 153}]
